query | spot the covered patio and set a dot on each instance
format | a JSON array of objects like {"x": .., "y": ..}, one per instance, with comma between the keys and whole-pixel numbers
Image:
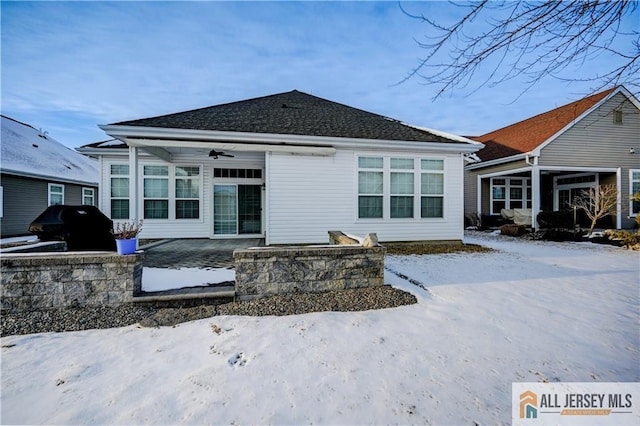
[{"x": 542, "y": 189}]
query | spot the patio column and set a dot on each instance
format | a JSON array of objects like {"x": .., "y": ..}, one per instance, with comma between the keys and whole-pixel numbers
[
  {"x": 619, "y": 199},
  {"x": 133, "y": 183},
  {"x": 535, "y": 196}
]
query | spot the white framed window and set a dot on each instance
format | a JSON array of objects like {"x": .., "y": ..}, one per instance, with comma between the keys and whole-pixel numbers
[
  {"x": 400, "y": 188},
  {"x": 617, "y": 116},
  {"x": 187, "y": 190},
  {"x": 119, "y": 196},
  {"x": 634, "y": 188},
  {"x": 89, "y": 196},
  {"x": 431, "y": 188},
  {"x": 510, "y": 193},
  {"x": 156, "y": 192},
  {"x": 56, "y": 194},
  {"x": 370, "y": 187}
]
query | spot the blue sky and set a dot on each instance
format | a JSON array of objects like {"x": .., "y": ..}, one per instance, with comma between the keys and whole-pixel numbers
[{"x": 69, "y": 66}]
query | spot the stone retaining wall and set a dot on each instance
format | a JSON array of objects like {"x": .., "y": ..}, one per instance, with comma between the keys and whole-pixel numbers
[
  {"x": 47, "y": 280},
  {"x": 266, "y": 271}
]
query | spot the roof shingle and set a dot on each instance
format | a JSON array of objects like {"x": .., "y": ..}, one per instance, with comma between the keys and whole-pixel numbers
[
  {"x": 526, "y": 135},
  {"x": 292, "y": 113}
]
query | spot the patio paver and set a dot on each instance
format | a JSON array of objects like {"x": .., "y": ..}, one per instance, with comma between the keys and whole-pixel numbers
[{"x": 195, "y": 253}]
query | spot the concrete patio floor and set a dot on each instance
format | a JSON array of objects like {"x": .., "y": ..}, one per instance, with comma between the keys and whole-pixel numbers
[{"x": 195, "y": 253}]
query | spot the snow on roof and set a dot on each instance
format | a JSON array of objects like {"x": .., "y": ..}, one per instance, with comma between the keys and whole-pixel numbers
[
  {"x": 447, "y": 135},
  {"x": 27, "y": 151}
]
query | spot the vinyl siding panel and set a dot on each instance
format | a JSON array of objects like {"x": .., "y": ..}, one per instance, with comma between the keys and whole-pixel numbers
[
  {"x": 309, "y": 196},
  {"x": 595, "y": 141},
  {"x": 25, "y": 198}
]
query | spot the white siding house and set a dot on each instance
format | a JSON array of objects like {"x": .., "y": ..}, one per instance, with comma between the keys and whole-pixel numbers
[{"x": 288, "y": 168}]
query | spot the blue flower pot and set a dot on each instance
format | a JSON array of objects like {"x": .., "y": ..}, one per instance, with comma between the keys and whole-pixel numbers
[{"x": 127, "y": 246}]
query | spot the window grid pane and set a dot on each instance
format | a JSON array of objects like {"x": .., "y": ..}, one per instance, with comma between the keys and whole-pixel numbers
[
  {"x": 370, "y": 182},
  {"x": 402, "y": 207},
  {"x": 402, "y": 163},
  {"x": 87, "y": 196},
  {"x": 156, "y": 171},
  {"x": 187, "y": 171},
  {"x": 432, "y": 183},
  {"x": 432, "y": 164},
  {"x": 156, "y": 188},
  {"x": 156, "y": 209},
  {"x": 401, "y": 183},
  {"x": 119, "y": 187},
  {"x": 119, "y": 209},
  {"x": 432, "y": 207},
  {"x": 187, "y": 188},
  {"x": 120, "y": 169},
  {"x": 369, "y": 207},
  {"x": 499, "y": 193},
  {"x": 187, "y": 209},
  {"x": 370, "y": 162}
]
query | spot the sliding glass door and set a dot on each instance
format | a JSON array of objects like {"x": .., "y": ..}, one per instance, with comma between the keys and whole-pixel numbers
[{"x": 237, "y": 209}]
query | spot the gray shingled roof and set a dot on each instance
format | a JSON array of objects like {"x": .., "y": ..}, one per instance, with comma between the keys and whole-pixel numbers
[{"x": 292, "y": 113}]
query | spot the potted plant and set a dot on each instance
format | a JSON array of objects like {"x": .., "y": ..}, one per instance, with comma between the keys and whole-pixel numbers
[{"x": 126, "y": 234}]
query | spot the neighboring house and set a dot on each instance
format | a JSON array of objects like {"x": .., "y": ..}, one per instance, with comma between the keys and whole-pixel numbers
[
  {"x": 287, "y": 167},
  {"x": 35, "y": 172},
  {"x": 544, "y": 162}
]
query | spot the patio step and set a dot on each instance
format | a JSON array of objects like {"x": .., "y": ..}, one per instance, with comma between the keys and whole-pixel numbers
[{"x": 184, "y": 294}]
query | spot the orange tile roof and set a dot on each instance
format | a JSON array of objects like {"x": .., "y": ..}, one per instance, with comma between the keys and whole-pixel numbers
[{"x": 526, "y": 135}]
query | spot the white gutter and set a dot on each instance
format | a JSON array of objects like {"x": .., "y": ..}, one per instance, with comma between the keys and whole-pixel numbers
[
  {"x": 497, "y": 161},
  {"x": 176, "y": 137}
]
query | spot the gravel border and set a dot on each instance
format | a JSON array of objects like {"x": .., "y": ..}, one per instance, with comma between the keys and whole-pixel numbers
[{"x": 155, "y": 315}]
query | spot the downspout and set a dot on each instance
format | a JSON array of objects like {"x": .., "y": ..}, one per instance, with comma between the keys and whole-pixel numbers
[{"x": 535, "y": 188}]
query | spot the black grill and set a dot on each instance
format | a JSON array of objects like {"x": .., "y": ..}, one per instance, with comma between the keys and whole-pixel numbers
[{"x": 83, "y": 228}]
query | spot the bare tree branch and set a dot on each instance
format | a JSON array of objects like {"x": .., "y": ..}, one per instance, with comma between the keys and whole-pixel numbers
[
  {"x": 597, "y": 202},
  {"x": 533, "y": 40}
]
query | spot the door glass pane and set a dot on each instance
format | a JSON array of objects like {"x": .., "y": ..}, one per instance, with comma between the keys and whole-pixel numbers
[
  {"x": 563, "y": 198},
  {"x": 225, "y": 207},
  {"x": 249, "y": 209}
]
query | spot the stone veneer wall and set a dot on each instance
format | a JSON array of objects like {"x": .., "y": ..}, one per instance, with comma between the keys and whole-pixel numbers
[
  {"x": 46, "y": 280},
  {"x": 267, "y": 271}
]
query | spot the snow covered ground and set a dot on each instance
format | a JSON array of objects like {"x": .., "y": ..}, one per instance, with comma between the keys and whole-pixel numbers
[
  {"x": 160, "y": 279},
  {"x": 529, "y": 312}
]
